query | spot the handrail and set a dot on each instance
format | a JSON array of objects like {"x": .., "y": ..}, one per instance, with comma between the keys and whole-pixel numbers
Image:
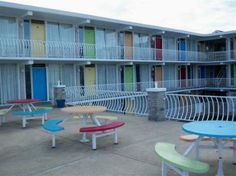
[{"x": 12, "y": 47}]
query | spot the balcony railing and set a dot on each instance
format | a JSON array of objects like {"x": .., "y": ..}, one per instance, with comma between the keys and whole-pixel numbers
[
  {"x": 175, "y": 85},
  {"x": 59, "y": 49}
]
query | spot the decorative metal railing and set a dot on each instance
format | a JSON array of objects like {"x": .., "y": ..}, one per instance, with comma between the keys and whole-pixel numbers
[
  {"x": 132, "y": 98},
  {"x": 62, "y": 49},
  {"x": 176, "y": 85},
  {"x": 116, "y": 97},
  {"x": 200, "y": 107}
]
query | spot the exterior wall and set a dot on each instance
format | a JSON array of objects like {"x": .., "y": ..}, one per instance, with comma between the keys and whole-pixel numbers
[
  {"x": 169, "y": 46},
  {"x": 9, "y": 81},
  {"x": 94, "y": 43}
]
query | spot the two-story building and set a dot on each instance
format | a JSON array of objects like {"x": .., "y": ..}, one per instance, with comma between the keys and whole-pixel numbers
[{"x": 40, "y": 46}]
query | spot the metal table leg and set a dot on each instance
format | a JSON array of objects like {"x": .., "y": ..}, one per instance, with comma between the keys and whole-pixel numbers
[
  {"x": 84, "y": 124},
  {"x": 219, "y": 143}
]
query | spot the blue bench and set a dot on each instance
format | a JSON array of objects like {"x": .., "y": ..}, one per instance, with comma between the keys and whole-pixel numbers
[
  {"x": 52, "y": 126},
  {"x": 29, "y": 115}
]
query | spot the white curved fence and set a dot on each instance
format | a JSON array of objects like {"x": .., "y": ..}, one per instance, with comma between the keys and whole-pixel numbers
[
  {"x": 113, "y": 96},
  {"x": 128, "y": 98},
  {"x": 200, "y": 107}
]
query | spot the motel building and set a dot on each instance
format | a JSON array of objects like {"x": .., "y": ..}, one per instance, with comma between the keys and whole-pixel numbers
[{"x": 40, "y": 46}]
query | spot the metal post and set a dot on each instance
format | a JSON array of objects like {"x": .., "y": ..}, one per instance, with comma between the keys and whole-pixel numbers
[
  {"x": 53, "y": 140},
  {"x": 115, "y": 136},
  {"x": 94, "y": 146},
  {"x": 220, "y": 171}
]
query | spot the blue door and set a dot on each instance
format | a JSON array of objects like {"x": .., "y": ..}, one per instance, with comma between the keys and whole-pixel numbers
[
  {"x": 39, "y": 83},
  {"x": 182, "y": 49}
]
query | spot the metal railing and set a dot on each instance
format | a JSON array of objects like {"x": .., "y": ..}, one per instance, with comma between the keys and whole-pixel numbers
[
  {"x": 62, "y": 49},
  {"x": 116, "y": 97},
  {"x": 129, "y": 98},
  {"x": 175, "y": 85},
  {"x": 200, "y": 107}
]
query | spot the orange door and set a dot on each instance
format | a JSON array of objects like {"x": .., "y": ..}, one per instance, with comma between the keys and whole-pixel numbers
[
  {"x": 158, "y": 75},
  {"x": 128, "y": 45}
]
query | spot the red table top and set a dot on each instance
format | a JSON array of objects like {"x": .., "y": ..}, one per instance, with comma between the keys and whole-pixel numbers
[{"x": 22, "y": 101}]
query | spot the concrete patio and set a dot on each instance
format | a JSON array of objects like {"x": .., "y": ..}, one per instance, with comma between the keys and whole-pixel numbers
[{"x": 27, "y": 152}]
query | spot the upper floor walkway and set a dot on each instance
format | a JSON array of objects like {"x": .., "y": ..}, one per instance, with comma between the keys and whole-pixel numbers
[{"x": 21, "y": 49}]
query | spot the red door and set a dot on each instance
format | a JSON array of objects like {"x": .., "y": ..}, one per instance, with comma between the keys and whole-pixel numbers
[
  {"x": 158, "y": 48},
  {"x": 182, "y": 76}
]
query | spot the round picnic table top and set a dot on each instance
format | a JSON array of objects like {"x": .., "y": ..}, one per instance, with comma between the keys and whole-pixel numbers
[
  {"x": 84, "y": 109},
  {"x": 22, "y": 101},
  {"x": 215, "y": 129}
]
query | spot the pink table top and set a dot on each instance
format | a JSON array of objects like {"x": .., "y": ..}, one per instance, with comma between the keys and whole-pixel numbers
[{"x": 22, "y": 101}]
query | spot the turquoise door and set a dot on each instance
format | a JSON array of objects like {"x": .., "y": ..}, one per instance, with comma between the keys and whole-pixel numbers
[{"x": 39, "y": 83}]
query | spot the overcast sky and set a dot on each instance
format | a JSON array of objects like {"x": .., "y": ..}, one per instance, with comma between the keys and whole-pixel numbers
[{"x": 203, "y": 16}]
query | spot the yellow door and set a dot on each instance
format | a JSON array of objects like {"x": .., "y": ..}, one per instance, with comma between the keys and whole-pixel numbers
[
  {"x": 89, "y": 76},
  {"x": 38, "y": 37}
]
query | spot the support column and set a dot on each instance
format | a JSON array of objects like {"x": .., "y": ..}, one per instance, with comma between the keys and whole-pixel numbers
[{"x": 156, "y": 104}]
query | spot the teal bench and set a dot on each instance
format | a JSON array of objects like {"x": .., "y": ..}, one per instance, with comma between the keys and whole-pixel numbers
[
  {"x": 181, "y": 164},
  {"x": 52, "y": 126},
  {"x": 29, "y": 115}
]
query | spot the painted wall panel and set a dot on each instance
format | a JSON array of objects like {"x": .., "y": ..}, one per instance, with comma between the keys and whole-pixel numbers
[
  {"x": 54, "y": 75},
  {"x": 100, "y": 44},
  {"x": 8, "y": 82},
  {"x": 111, "y": 74},
  {"x": 169, "y": 46},
  {"x": 90, "y": 43},
  {"x": 38, "y": 34},
  {"x": 68, "y": 75},
  {"x": 101, "y": 74},
  {"x": 111, "y": 44},
  {"x": 27, "y": 46}
]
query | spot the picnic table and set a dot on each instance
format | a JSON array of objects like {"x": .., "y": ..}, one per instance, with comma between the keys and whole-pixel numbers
[
  {"x": 24, "y": 104},
  {"x": 88, "y": 112},
  {"x": 218, "y": 131}
]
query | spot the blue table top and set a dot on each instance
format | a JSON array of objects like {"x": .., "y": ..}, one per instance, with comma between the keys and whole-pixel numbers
[{"x": 217, "y": 129}]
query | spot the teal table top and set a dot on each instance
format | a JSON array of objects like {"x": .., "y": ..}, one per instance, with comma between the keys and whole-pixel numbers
[{"x": 215, "y": 129}]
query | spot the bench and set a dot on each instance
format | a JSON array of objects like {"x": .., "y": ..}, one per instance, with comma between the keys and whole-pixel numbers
[
  {"x": 52, "y": 126},
  {"x": 29, "y": 115},
  {"x": 181, "y": 164},
  {"x": 103, "y": 130}
]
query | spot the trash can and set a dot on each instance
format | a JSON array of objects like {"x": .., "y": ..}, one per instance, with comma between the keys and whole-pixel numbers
[
  {"x": 59, "y": 95},
  {"x": 60, "y": 103}
]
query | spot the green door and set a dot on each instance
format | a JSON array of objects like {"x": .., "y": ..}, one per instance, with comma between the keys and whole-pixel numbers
[
  {"x": 89, "y": 43},
  {"x": 128, "y": 78}
]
